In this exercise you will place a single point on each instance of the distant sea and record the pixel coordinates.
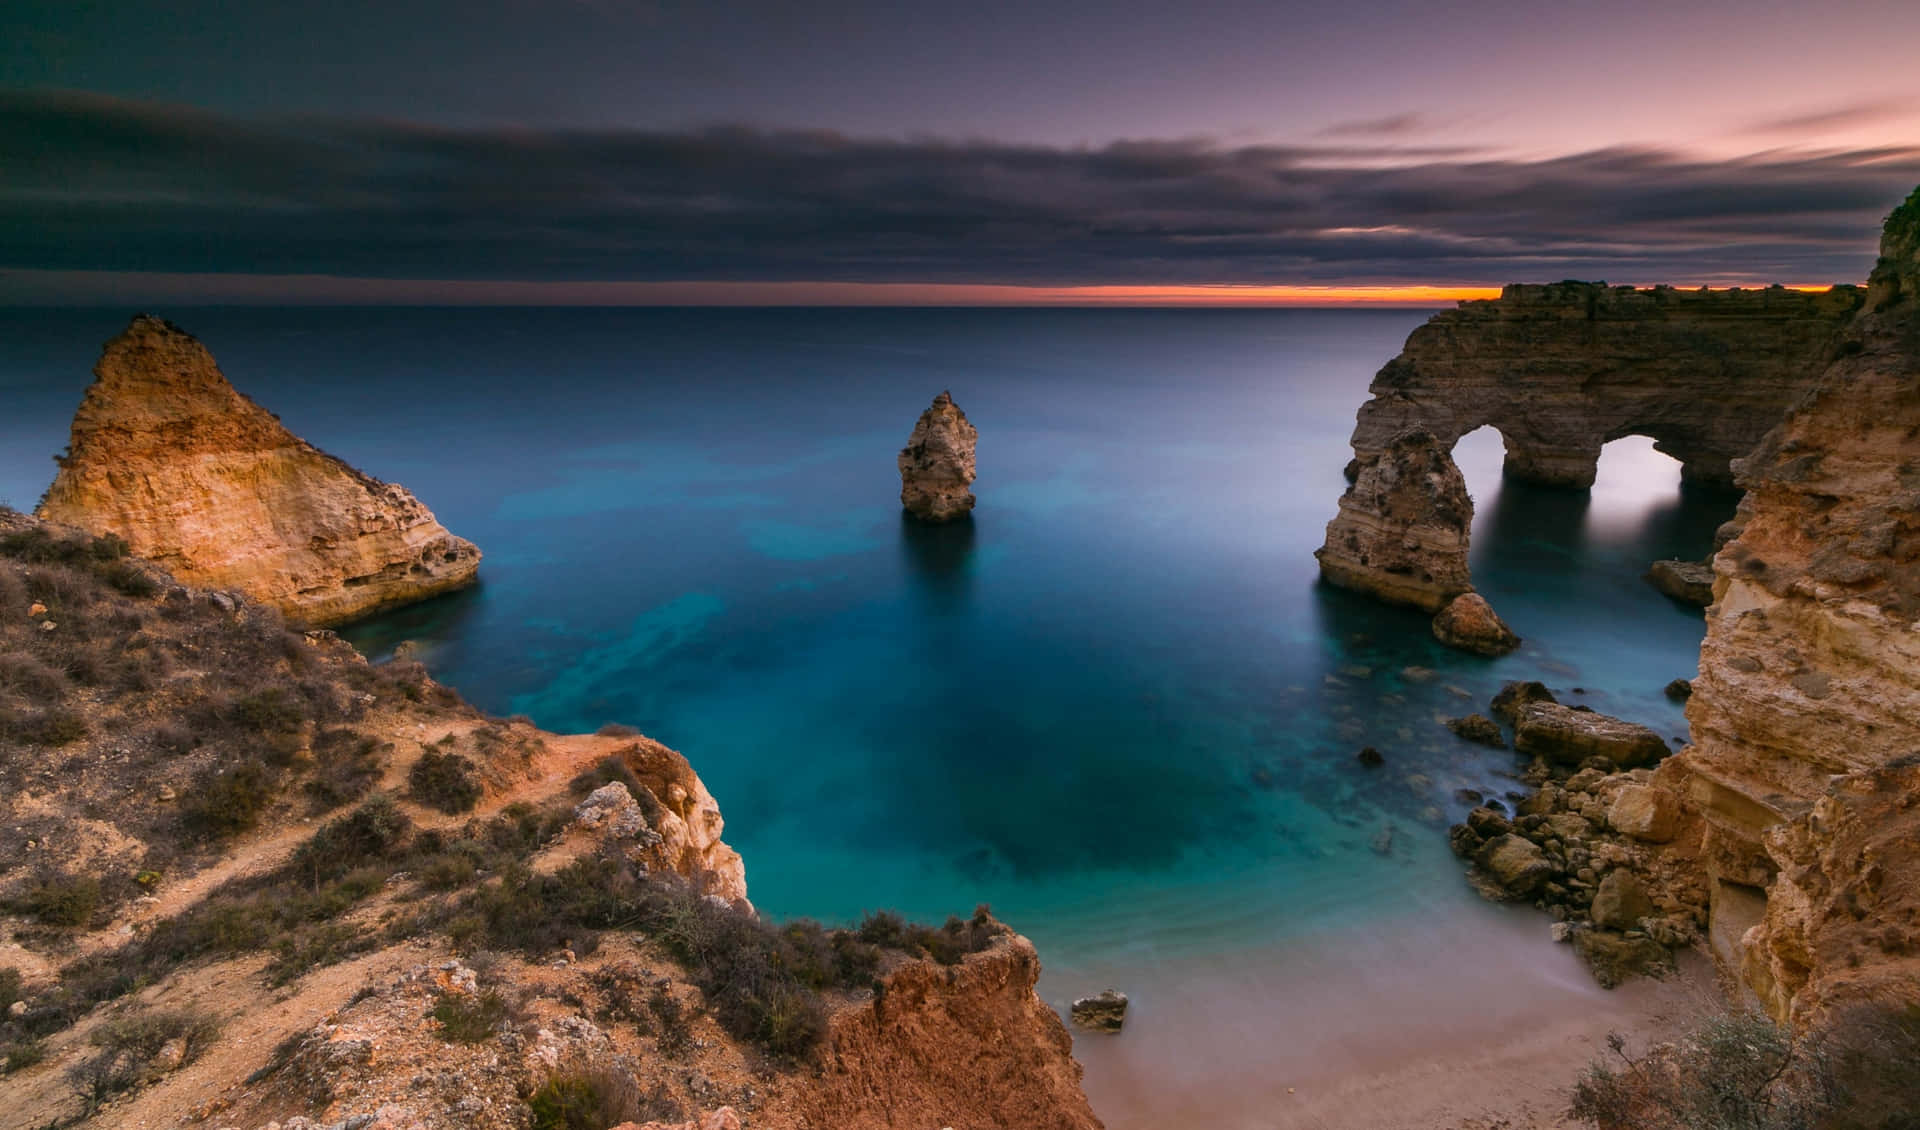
(1118, 706)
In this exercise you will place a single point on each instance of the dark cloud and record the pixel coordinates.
(92, 183)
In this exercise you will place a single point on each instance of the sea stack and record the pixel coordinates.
(936, 466)
(170, 457)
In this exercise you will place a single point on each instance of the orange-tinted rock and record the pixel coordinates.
(936, 466)
(1469, 623)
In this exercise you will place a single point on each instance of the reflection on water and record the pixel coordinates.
(939, 559)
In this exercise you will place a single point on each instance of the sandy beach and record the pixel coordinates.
(1466, 1021)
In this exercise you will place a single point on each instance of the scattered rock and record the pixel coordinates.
(1620, 902)
(1469, 623)
(1680, 690)
(1613, 957)
(1515, 864)
(1570, 736)
(1646, 813)
(1690, 582)
(1370, 757)
(1517, 696)
(936, 466)
(1106, 1012)
(1478, 728)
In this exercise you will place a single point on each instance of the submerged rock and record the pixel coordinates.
(1370, 757)
(165, 454)
(1469, 623)
(1106, 1012)
(936, 466)
(1570, 736)
(1511, 699)
(1480, 729)
(1690, 582)
(1515, 865)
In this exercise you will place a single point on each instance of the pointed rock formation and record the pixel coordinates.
(167, 455)
(936, 466)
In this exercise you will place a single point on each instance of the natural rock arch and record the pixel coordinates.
(1560, 371)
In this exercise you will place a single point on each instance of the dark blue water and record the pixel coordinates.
(1118, 706)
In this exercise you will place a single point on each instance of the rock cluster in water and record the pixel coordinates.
(936, 466)
(170, 457)
(1103, 1012)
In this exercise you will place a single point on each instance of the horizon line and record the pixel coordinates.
(33, 287)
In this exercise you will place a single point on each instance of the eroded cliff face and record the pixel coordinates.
(936, 466)
(167, 455)
(1401, 533)
(1561, 370)
(1809, 685)
(970, 1047)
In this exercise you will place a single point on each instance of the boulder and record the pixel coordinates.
(1646, 813)
(1569, 737)
(1620, 902)
(1613, 957)
(936, 466)
(1486, 822)
(1517, 696)
(1478, 728)
(1106, 1012)
(1469, 623)
(1370, 757)
(1679, 690)
(1689, 582)
(1515, 864)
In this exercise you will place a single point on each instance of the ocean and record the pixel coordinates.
(1117, 705)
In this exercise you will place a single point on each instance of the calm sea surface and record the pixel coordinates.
(1118, 707)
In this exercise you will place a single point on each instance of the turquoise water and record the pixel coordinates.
(1117, 706)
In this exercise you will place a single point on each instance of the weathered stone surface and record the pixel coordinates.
(1469, 623)
(1515, 864)
(936, 466)
(1401, 533)
(1570, 736)
(1105, 1012)
(1560, 370)
(1690, 582)
(1511, 699)
(1620, 902)
(1646, 813)
(1614, 957)
(1480, 729)
(167, 455)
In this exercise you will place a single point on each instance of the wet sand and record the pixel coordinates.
(1412, 1022)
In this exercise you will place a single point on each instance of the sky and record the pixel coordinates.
(913, 151)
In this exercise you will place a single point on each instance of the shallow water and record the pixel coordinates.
(1117, 706)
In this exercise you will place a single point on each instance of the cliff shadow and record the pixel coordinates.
(430, 624)
(939, 560)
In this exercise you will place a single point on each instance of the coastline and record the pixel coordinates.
(1490, 1023)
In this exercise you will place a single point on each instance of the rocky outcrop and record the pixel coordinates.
(1689, 582)
(1571, 736)
(1401, 533)
(672, 825)
(193, 475)
(1103, 1012)
(936, 466)
(1809, 684)
(1561, 370)
(970, 1046)
(1469, 623)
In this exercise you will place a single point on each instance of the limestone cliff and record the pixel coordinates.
(1401, 533)
(167, 455)
(1809, 680)
(936, 466)
(1561, 370)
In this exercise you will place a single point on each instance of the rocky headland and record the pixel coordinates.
(249, 880)
(166, 455)
(936, 466)
(1785, 834)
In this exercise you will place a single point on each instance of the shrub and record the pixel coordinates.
(10, 990)
(227, 802)
(21, 1055)
(617, 730)
(467, 1019)
(598, 1097)
(54, 727)
(347, 763)
(269, 711)
(128, 1047)
(23, 675)
(62, 900)
(374, 831)
(446, 781)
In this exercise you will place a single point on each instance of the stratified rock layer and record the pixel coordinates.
(1561, 370)
(167, 455)
(936, 466)
(1401, 533)
(1809, 684)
